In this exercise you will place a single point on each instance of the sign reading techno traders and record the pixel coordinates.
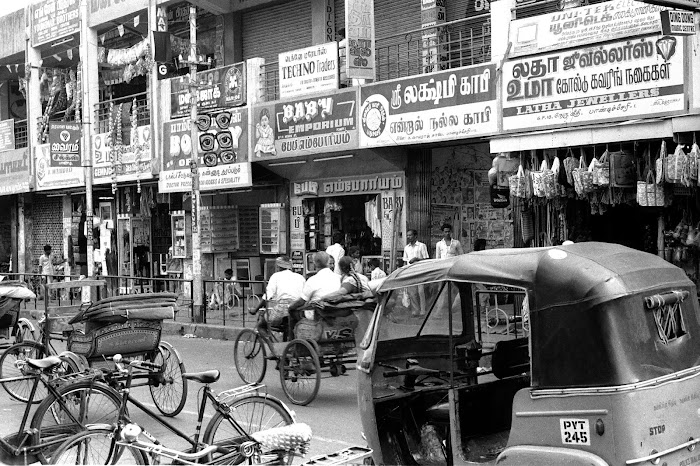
(326, 123)
(437, 107)
(223, 162)
(308, 70)
(629, 79)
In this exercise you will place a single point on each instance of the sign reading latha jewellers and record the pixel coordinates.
(436, 107)
(634, 78)
(583, 26)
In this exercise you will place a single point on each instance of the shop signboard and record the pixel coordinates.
(104, 11)
(437, 107)
(296, 225)
(223, 161)
(64, 142)
(359, 45)
(7, 135)
(680, 23)
(349, 185)
(619, 80)
(49, 176)
(218, 88)
(309, 70)
(14, 171)
(583, 26)
(129, 162)
(327, 123)
(54, 19)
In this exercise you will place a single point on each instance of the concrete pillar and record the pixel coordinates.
(233, 38)
(33, 96)
(154, 87)
(20, 262)
(322, 21)
(67, 225)
(255, 81)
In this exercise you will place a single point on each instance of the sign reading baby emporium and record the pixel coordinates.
(436, 107)
(309, 70)
(14, 171)
(129, 162)
(625, 79)
(222, 140)
(326, 123)
(584, 25)
(54, 177)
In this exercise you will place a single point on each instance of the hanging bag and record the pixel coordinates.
(693, 163)
(676, 164)
(543, 181)
(570, 163)
(518, 183)
(661, 164)
(623, 172)
(583, 179)
(650, 194)
(601, 170)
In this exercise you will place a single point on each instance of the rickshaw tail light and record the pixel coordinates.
(691, 447)
(599, 427)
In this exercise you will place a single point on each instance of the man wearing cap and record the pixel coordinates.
(283, 288)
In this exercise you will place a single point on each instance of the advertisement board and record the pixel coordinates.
(437, 107)
(217, 88)
(359, 46)
(309, 70)
(7, 135)
(133, 161)
(14, 171)
(49, 176)
(327, 123)
(64, 142)
(625, 79)
(54, 19)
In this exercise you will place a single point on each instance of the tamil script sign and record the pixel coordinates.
(217, 88)
(216, 169)
(327, 123)
(127, 163)
(7, 135)
(308, 70)
(64, 142)
(14, 171)
(437, 107)
(49, 176)
(359, 31)
(583, 26)
(627, 79)
(53, 19)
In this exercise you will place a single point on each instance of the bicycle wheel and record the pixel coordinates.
(169, 393)
(97, 446)
(24, 331)
(246, 416)
(300, 372)
(250, 356)
(9, 368)
(87, 401)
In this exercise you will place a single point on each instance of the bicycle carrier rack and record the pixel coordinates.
(228, 396)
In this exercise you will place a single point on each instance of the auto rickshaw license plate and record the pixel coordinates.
(575, 431)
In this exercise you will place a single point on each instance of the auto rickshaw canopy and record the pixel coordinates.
(590, 324)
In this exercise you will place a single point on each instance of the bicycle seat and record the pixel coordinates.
(203, 377)
(44, 363)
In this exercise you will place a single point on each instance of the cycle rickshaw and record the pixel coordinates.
(128, 324)
(14, 329)
(608, 375)
(322, 343)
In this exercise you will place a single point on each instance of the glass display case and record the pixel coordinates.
(180, 222)
(273, 229)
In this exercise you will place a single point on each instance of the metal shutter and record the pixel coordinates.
(47, 225)
(274, 29)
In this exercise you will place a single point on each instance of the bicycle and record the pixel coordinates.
(72, 408)
(246, 426)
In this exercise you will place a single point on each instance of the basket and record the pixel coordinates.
(134, 336)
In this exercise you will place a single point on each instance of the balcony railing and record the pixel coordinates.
(43, 124)
(143, 117)
(21, 135)
(450, 45)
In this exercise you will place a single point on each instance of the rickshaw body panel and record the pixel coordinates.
(604, 386)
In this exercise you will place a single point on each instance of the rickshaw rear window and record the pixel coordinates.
(422, 310)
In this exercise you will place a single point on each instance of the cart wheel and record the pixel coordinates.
(250, 356)
(170, 392)
(11, 366)
(300, 372)
(25, 331)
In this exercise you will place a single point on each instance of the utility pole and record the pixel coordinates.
(86, 133)
(197, 291)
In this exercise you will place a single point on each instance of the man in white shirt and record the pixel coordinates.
(317, 287)
(447, 246)
(336, 250)
(414, 249)
(283, 288)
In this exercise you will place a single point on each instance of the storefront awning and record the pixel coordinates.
(586, 135)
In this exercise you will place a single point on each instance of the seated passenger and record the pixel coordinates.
(283, 288)
(350, 281)
(323, 283)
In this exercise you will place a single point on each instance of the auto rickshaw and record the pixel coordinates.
(609, 373)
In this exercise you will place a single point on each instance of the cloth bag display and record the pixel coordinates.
(661, 163)
(676, 165)
(601, 170)
(583, 179)
(570, 162)
(557, 170)
(693, 164)
(518, 183)
(650, 194)
(623, 171)
(543, 183)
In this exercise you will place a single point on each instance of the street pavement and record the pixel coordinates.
(333, 415)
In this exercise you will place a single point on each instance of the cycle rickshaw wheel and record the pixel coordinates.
(24, 331)
(169, 387)
(252, 414)
(300, 372)
(250, 356)
(20, 389)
